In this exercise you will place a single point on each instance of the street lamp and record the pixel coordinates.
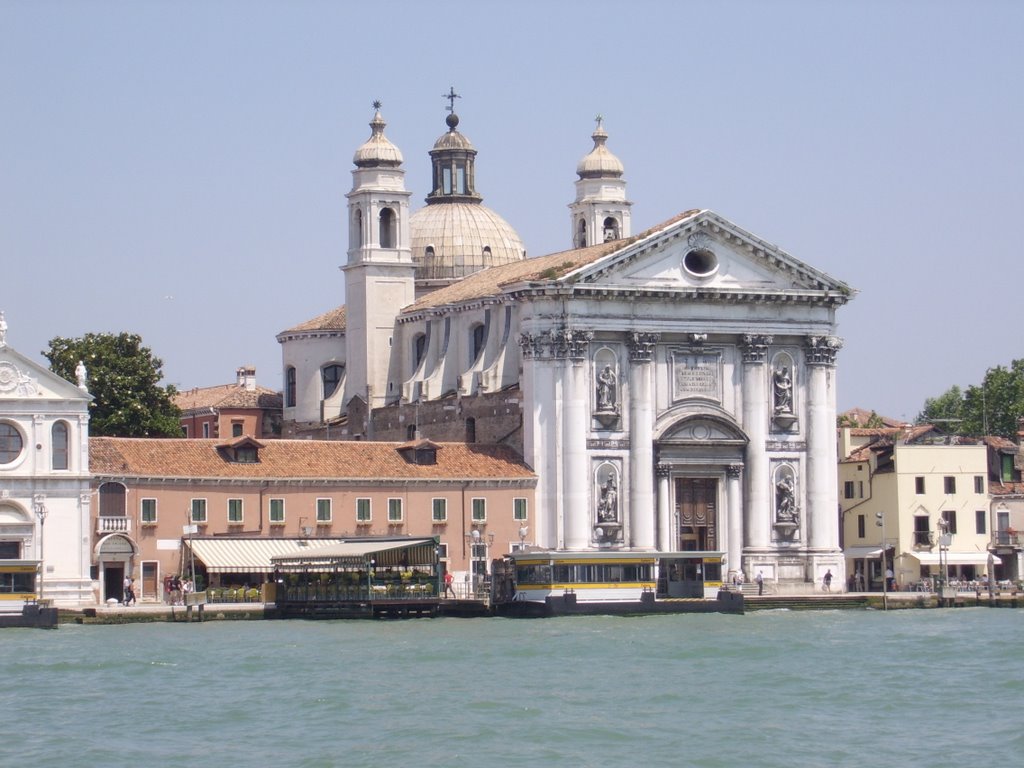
(522, 537)
(944, 539)
(880, 522)
(39, 505)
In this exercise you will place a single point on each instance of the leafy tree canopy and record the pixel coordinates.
(123, 378)
(992, 408)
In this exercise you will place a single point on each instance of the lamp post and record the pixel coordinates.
(39, 505)
(522, 537)
(880, 522)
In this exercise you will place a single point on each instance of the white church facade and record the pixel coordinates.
(44, 483)
(674, 390)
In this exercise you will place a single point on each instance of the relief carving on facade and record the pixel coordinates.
(755, 347)
(14, 382)
(560, 344)
(821, 350)
(641, 346)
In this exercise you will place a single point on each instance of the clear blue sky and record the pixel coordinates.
(202, 151)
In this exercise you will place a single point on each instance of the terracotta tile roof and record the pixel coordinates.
(228, 396)
(875, 431)
(332, 320)
(1006, 489)
(862, 416)
(298, 459)
(489, 282)
(864, 453)
(1000, 443)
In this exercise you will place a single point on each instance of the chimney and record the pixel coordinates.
(246, 377)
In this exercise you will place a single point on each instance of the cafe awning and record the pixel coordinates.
(248, 555)
(955, 558)
(863, 552)
(355, 553)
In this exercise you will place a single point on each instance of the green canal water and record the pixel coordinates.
(772, 688)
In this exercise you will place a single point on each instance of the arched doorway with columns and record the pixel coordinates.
(700, 457)
(114, 556)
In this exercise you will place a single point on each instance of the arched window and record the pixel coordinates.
(470, 430)
(428, 254)
(611, 229)
(581, 234)
(487, 255)
(289, 387)
(59, 445)
(387, 228)
(419, 349)
(331, 376)
(357, 228)
(477, 343)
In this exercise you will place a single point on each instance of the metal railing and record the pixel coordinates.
(1006, 538)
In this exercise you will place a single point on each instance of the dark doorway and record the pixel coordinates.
(113, 581)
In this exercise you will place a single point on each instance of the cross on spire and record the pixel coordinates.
(451, 96)
(377, 104)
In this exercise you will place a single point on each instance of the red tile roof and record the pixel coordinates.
(228, 396)
(299, 459)
(332, 320)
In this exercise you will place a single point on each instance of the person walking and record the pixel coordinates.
(448, 588)
(129, 590)
(826, 581)
(760, 583)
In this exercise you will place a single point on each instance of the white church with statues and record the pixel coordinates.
(673, 389)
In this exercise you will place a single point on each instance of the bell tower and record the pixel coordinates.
(379, 275)
(600, 212)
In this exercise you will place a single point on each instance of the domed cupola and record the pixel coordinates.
(456, 235)
(599, 162)
(600, 212)
(377, 151)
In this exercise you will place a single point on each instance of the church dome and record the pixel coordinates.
(456, 239)
(599, 162)
(378, 150)
(456, 235)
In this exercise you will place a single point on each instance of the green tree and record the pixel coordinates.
(993, 408)
(124, 381)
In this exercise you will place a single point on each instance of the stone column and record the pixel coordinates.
(821, 518)
(570, 351)
(641, 440)
(755, 422)
(542, 440)
(734, 517)
(666, 540)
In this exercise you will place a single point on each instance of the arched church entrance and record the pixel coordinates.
(700, 501)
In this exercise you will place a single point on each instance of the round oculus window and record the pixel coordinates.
(700, 262)
(11, 443)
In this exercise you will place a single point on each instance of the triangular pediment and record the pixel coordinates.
(24, 379)
(704, 251)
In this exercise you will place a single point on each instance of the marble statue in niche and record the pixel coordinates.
(607, 390)
(608, 502)
(782, 389)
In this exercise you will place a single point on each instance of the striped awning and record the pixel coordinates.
(249, 555)
(955, 558)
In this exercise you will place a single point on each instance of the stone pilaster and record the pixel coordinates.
(666, 540)
(754, 349)
(641, 440)
(734, 517)
(820, 480)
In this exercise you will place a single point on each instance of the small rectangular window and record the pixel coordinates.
(979, 521)
(860, 489)
(439, 510)
(198, 510)
(362, 510)
(234, 511)
(919, 485)
(442, 551)
(519, 509)
(323, 510)
(949, 484)
(479, 510)
(394, 510)
(236, 429)
(148, 512)
(848, 489)
(277, 511)
(979, 483)
(922, 534)
(206, 429)
(860, 526)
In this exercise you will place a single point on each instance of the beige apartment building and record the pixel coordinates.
(902, 491)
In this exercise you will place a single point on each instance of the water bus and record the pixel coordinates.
(546, 583)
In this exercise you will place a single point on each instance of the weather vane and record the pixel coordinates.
(377, 104)
(451, 96)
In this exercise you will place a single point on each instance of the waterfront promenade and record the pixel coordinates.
(157, 612)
